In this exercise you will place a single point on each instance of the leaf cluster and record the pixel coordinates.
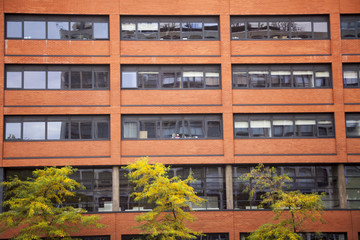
(36, 205)
(171, 197)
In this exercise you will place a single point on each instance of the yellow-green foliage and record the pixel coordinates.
(35, 205)
(171, 197)
(292, 209)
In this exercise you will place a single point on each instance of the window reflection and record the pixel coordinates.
(58, 30)
(34, 30)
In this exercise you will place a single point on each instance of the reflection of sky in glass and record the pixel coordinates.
(13, 29)
(55, 29)
(34, 79)
(34, 130)
(13, 131)
(320, 27)
(54, 130)
(301, 26)
(54, 79)
(100, 30)
(192, 26)
(34, 30)
(128, 80)
(13, 79)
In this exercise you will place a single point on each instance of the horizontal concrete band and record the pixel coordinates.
(200, 155)
(285, 104)
(288, 154)
(175, 105)
(57, 106)
(62, 157)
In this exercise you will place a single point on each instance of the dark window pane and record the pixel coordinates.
(257, 30)
(169, 30)
(58, 30)
(101, 79)
(149, 79)
(168, 129)
(128, 31)
(171, 79)
(34, 30)
(283, 128)
(103, 130)
(322, 79)
(86, 79)
(81, 30)
(305, 128)
(238, 30)
(301, 30)
(196, 129)
(148, 129)
(353, 128)
(86, 130)
(75, 79)
(192, 30)
(258, 79)
(260, 128)
(213, 129)
(75, 133)
(304, 79)
(280, 79)
(348, 29)
(13, 29)
(240, 79)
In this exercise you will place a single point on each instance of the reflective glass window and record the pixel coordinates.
(13, 29)
(34, 130)
(34, 79)
(12, 131)
(101, 30)
(81, 30)
(301, 30)
(147, 30)
(169, 30)
(58, 30)
(34, 30)
(13, 79)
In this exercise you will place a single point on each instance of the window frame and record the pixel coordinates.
(355, 18)
(68, 69)
(177, 118)
(68, 119)
(283, 116)
(280, 18)
(281, 67)
(351, 67)
(57, 18)
(169, 19)
(163, 69)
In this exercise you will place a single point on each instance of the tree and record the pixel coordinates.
(36, 205)
(171, 197)
(292, 209)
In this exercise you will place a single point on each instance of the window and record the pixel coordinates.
(97, 195)
(209, 184)
(281, 76)
(171, 127)
(53, 77)
(207, 236)
(57, 27)
(351, 75)
(279, 27)
(352, 178)
(311, 236)
(169, 28)
(350, 26)
(170, 77)
(306, 178)
(283, 125)
(352, 125)
(48, 128)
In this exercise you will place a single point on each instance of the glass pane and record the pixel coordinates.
(169, 31)
(241, 129)
(102, 130)
(101, 79)
(281, 79)
(75, 131)
(147, 30)
(212, 79)
(193, 79)
(321, 30)
(258, 79)
(75, 79)
(148, 129)
(260, 128)
(86, 130)
(240, 79)
(211, 30)
(81, 30)
(196, 129)
(128, 30)
(353, 128)
(34, 80)
(168, 129)
(57, 130)
(257, 30)
(171, 79)
(34, 130)
(86, 79)
(58, 30)
(13, 131)
(350, 79)
(301, 30)
(322, 79)
(304, 79)
(149, 79)
(55, 78)
(101, 30)
(213, 129)
(129, 80)
(279, 30)
(348, 29)
(13, 79)
(305, 128)
(192, 30)
(13, 29)
(283, 128)
(34, 30)
(238, 30)
(130, 130)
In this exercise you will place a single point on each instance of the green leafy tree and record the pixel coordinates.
(292, 209)
(171, 197)
(35, 206)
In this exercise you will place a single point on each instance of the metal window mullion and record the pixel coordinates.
(203, 29)
(312, 29)
(46, 121)
(267, 29)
